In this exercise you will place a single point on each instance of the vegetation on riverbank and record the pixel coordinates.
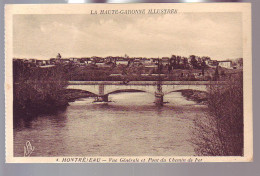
(220, 132)
(195, 95)
(38, 91)
(72, 95)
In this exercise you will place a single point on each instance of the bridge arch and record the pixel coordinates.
(88, 88)
(126, 91)
(113, 88)
(81, 90)
(175, 88)
(109, 89)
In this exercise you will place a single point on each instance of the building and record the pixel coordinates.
(122, 62)
(165, 61)
(65, 61)
(39, 62)
(32, 60)
(212, 63)
(225, 64)
(103, 65)
(146, 61)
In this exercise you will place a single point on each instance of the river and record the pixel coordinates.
(130, 125)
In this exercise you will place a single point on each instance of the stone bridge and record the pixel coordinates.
(103, 88)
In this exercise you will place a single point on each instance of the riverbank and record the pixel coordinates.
(50, 105)
(71, 95)
(195, 95)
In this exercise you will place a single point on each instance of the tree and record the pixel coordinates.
(194, 61)
(203, 65)
(185, 62)
(216, 75)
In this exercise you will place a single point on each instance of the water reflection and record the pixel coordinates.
(130, 125)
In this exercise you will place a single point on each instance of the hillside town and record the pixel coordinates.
(125, 68)
(173, 62)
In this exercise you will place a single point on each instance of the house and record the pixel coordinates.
(122, 62)
(151, 66)
(102, 65)
(154, 60)
(110, 59)
(32, 60)
(65, 61)
(225, 64)
(52, 61)
(39, 62)
(206, 59)
(213, 63)
(146, 62)
(73, 60)
(165, 61)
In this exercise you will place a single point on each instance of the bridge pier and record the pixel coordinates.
(159, 98)
(159, 94)
(102, 98)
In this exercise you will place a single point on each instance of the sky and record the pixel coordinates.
(217, 35)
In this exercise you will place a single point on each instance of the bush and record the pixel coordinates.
(220, 132)
(37, 90)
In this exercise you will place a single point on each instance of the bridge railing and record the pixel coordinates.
(147, 83)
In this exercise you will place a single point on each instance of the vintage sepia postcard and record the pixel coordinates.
(128, 83)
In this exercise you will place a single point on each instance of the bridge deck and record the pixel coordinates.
(147, 83)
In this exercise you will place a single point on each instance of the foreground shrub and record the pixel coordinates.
(37, 90)
(220, 132)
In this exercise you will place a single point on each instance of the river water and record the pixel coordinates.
(131, 125)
